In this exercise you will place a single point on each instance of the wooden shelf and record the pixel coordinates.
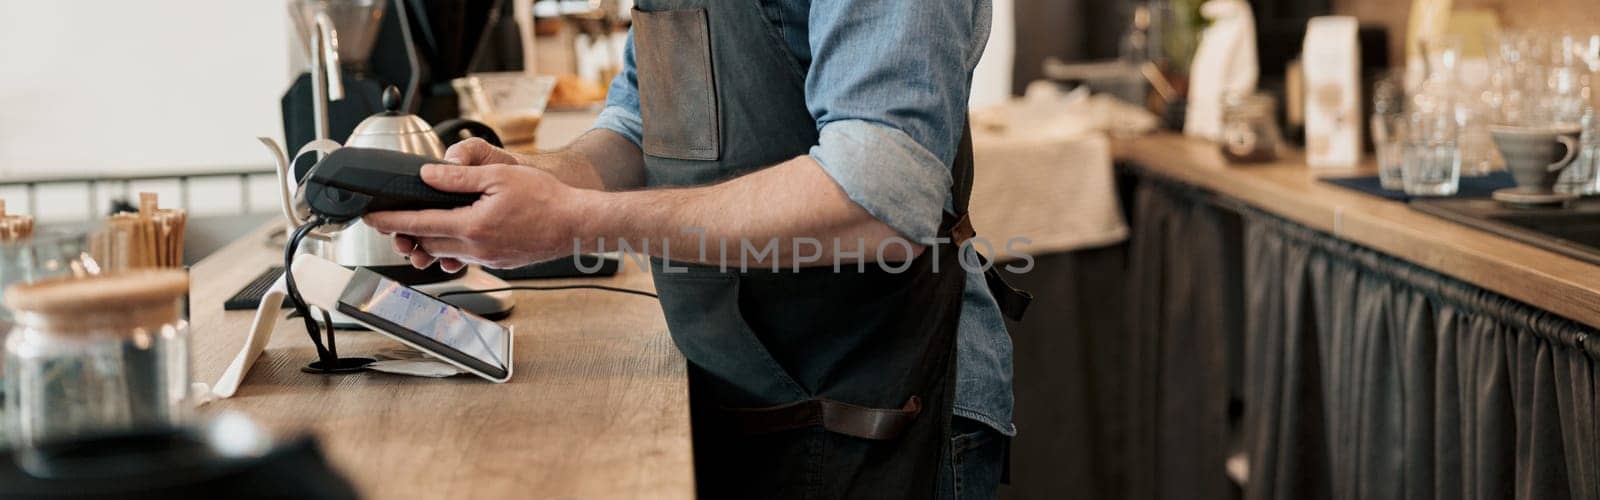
(1287, 188)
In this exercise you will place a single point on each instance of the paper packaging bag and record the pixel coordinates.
(1224, 64)
(1333, 92)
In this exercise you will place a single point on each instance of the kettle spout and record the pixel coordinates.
(285, 198)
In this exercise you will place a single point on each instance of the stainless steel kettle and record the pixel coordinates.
(356, 244)
(397, 131)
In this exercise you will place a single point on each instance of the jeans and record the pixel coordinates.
(977, 460)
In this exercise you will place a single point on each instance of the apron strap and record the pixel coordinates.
(1013, 302)
(961, 172)
(841, 418)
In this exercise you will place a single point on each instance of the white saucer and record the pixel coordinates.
(1528, 197)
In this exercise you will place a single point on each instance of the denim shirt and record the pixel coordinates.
(887, 84)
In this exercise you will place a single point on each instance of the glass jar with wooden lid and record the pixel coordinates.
(96, 355)
(1250, 131)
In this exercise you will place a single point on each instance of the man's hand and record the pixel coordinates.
(473, 151)
(525, 215)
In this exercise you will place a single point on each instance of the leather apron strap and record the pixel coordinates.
(843, 418)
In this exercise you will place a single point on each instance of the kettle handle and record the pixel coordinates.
(285, 177)
(449, 132)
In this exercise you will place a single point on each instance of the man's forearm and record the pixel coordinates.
(600, 160)
(793, 208)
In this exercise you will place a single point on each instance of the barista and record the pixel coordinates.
(799, 170)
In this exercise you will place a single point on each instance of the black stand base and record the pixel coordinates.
(339, 366)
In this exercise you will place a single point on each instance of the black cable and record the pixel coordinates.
(554, 287)
(327, 325)
(289, 251)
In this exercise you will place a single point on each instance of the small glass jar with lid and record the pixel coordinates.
(33, 257)
(1250, 131)
(96, 355)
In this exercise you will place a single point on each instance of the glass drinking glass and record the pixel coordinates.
(1437, 91)
(1445, 88)
(1579, 177)
(1573, 85)
(1431, 165)
(1389, 139)
(1388, 127)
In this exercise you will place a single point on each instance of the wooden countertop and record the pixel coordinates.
(1287, 188)
(598, 406)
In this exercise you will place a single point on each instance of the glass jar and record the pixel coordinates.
(44, 255)
(1250, 128)
(95, 355)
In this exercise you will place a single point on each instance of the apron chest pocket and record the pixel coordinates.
(677, 90)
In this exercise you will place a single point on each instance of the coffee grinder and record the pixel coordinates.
(417, 46)
(352, 27)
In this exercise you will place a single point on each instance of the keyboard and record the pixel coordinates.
(250, 297)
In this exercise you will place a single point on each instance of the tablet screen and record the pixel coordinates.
(426, 320)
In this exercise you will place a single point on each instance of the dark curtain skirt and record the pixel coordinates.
(1323, 369)
(1182, 323)
(1368, 377)
(1069, 364)
(1127, 383)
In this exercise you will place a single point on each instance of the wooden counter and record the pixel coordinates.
(1287, 188)
(597, 408)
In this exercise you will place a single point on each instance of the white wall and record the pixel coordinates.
(991, 81)
(121, 87)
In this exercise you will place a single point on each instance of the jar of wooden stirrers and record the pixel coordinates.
(149, 238)
(14, 227)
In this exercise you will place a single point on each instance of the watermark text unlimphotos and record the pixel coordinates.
(975, 255)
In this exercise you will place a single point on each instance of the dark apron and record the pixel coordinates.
(803, 384)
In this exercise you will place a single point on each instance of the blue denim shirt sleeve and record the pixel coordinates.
(621, 114)
(888, 87)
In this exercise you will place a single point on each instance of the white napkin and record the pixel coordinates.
(1046, 112)
(1045, 171)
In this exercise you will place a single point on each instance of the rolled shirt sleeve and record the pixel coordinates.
(888, 173)
(888, 85)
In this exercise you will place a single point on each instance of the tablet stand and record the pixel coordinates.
(261, 328)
